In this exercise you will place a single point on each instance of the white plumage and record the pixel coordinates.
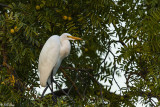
(53, 52)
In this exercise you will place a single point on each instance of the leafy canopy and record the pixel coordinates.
(25, 25)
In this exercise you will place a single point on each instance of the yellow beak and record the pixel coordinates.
(75, 38)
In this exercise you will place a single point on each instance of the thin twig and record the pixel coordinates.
(152, 102)
(104, 58)
(75, 87)
(77, 69)
(100, 87)
(4, 5)
(74, 82)
(114, 72)
(63, 91)
(106, 54)
(87, 70)
(85, 91)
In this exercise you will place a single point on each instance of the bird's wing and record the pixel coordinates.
(48, 58)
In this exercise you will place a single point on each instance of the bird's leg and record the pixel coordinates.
(72, 84)
(51, 79)
(54, 98)
(52, 85)
(63, 91)
(44, 91)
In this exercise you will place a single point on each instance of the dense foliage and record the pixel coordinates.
(25, 25)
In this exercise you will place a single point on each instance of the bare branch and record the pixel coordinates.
(4, 5)
(114, 71)
(75, 87)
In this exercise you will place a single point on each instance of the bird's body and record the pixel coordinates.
(53, 52)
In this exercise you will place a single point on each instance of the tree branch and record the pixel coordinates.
(124, 45)
(75, 87)
(114, 71)
(76, 69)
(4, 5)
(10, 69)
(106, 94)
(87, 70)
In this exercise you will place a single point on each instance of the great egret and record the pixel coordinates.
(53, 52)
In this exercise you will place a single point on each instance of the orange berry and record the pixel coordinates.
(38, 7)
(65, 17)
(86, 49)
(69, 18)
(12, 31)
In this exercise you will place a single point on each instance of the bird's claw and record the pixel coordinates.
(54, 98)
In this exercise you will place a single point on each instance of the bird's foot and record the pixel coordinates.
(54, 98)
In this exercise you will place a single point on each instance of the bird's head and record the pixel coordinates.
(68, 36)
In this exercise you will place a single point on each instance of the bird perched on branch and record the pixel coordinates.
(53, 52)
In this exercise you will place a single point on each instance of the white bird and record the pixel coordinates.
(53, 52)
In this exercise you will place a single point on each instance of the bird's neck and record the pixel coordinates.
(65, 48)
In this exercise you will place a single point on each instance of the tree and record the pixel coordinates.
(25, 25)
